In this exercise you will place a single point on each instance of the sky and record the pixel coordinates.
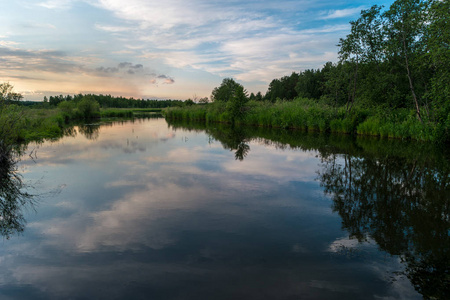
(165, 49)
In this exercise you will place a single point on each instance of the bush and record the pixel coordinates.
(88, 108)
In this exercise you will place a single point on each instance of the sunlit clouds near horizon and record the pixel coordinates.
(165, 49)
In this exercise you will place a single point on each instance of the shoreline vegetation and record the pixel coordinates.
(305, 114)
(23, 122)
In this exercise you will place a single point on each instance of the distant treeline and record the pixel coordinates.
(106, 101)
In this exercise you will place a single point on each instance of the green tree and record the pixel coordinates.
(11, 115)
(189, 102)
(236, 104)
(283, 88)
(67, 108)
(351, 52)
(405, 24)
(310, 84)
(7, 94)
(225, 91)
(203, 100)
(88, 108)
(437, 40)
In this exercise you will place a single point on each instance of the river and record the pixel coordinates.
(144, 209)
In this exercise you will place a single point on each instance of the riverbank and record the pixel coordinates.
(309, 115)
(25, 124)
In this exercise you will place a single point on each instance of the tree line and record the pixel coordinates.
(107, 101)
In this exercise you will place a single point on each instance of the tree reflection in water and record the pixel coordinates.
(90, 131)
(13, 198)
(394, 192)
(403, 204)
(233, 139)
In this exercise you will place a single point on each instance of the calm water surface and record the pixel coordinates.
(147, 210)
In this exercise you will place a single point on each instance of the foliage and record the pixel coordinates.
(225, 91)
(7, 95)
(283, 88)
(236, 104)
(108, 101)
(88, 108)
(11, 115)
(307, 114)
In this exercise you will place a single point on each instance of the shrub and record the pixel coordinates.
(88, 108)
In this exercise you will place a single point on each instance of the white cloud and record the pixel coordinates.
(342, 13)
(112, 28)
(252, 41)
(8, 43)
(225, 39)
(56, 4)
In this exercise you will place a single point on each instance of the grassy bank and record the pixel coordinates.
(309, 115)
(23, 124)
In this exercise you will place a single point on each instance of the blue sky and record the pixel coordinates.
(165, 49)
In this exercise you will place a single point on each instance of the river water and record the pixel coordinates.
(144, 209)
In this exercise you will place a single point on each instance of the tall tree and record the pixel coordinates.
(225, 91)
(405, 25)
(236, 104)
(350, 51)
(437, 40)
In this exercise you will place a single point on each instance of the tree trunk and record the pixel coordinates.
(411, 86)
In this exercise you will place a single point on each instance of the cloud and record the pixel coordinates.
(35, 25)
(342, 13)
(56, 4)
(122, 68)
(15, 59)
(113, 29)
(251, 41)
(248, 41)
(161, 79)
(107, 69)
(59, 72)
(166, 79)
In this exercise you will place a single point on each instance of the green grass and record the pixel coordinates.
(309, 115)
(37, 124)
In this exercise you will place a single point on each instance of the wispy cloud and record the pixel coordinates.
(227, 39)
(342, 13)
(110, 28)
(253, 41)
(36, 25)
(162, 79)
(57, 4)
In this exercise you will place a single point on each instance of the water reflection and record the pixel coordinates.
(90, 131)
(234, 139)
(392, 192)
(13, 197)
(167, 212)
(401, 203)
